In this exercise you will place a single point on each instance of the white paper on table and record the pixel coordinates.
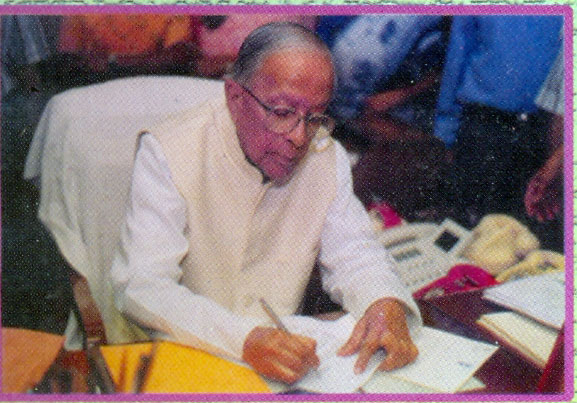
(446, 361)
(335, 374)
(381, 382)
(540, 297)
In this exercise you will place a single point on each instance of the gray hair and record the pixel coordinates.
(270, 38)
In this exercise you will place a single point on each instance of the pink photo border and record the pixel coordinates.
(564, 10)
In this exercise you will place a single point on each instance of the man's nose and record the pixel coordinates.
(298, 135)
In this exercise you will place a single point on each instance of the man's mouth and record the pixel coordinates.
(287, 163)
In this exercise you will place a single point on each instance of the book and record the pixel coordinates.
(531, 339)
(541, 297)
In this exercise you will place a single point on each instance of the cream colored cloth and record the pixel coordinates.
(147, 275)
(82, 152)
(247, 240)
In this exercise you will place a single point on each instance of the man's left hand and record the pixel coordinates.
(383, 325)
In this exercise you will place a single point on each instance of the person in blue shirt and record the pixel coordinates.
(388, 68)
(370, 51)
(486, 115)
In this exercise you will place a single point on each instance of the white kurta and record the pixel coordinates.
(146, 279)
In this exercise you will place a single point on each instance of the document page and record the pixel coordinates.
(446, 361)
(540, 297)
(445, 364)
(335, 374)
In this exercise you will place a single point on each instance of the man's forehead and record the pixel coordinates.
(291, 57)
(303, 68)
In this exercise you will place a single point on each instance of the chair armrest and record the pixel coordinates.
(90, 318)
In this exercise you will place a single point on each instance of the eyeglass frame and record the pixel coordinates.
(271, 110)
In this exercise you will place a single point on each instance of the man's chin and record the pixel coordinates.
(281, 179)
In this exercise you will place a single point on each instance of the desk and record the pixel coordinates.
(505, 371)
(26, 355)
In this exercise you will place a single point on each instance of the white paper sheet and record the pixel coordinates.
(539, 297)
(530, 337)
(446, 361)
(335, 374)
(383, 383)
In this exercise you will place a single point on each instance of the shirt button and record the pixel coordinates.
(247, 301)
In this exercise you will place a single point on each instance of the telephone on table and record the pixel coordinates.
(425, 252)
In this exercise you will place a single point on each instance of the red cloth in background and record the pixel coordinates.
(102, 37)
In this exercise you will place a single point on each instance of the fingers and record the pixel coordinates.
(370, 345)
(354, 342)
(279, 355)
(399, 353)
(306, 349)
(383, 326)
(397, 344)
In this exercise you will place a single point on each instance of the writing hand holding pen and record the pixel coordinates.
(279, 354)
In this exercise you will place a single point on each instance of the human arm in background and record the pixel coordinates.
(384, 101)
(544, 195)
(369, 50)
(357, 273)
(146, 280)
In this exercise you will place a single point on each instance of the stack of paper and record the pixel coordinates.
(539, 297)
(530, 338)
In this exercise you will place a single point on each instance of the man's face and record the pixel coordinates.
(294, 78)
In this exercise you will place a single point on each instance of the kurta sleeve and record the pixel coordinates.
(356, 268)
(146, 272)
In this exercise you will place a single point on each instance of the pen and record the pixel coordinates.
(274, 317)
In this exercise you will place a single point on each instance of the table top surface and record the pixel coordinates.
(504, 373)
(26, 356)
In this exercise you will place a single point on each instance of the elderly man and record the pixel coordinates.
(233, 202)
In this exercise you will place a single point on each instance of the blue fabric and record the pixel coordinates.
(495, 61)
(329, 27)
(369, 49)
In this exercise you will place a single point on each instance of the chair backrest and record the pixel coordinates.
(83, 151)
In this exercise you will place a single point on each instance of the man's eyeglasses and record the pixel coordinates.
(284, 119)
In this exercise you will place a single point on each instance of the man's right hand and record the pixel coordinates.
(279, 355)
